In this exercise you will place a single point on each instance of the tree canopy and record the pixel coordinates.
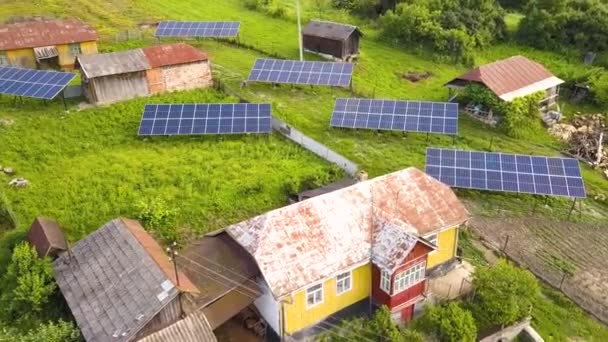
(449, 322)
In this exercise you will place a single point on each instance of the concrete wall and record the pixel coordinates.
(187, 76)
(511, 332)
(314, 146)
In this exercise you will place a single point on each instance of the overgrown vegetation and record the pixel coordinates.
(449, 322)
(62, 331)
(449, 28)
(563, 24)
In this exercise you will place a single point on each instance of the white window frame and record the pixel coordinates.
(347, 277)
(385, 281)
(434, 240)
(410, 277)
(313, 291)
(73, 46)
(4, 59)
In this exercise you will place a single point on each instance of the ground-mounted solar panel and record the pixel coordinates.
(205, 118)
(41, 84)
(506, 172)
(191, 29)
(407, 116)
(301, 72)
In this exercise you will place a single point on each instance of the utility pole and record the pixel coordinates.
(299, 30)
(172, 256)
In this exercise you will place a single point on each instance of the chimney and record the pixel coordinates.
(361, 176)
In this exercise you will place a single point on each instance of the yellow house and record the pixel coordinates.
(342, 252)
(46, 43)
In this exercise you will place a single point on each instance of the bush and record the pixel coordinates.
(61, 331)
(26, 285)
(521, 116)
(504, 294)
(157, 218)
(450, 28)
(8, 220)
(599, 88)
(555, 24)
(449, 323)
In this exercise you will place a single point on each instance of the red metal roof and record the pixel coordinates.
(44, 33)
(507, 75)
(180, 53)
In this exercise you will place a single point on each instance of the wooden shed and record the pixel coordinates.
(117, 76)
(46, 236)
(331, 39)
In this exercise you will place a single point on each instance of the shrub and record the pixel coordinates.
(61, 331)
(520, 116)
(159, 219)
(599, 88)
(504, 294)
(449, 323)
(27, 284)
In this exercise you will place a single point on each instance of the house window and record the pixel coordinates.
(385, 281)
(75, 49)
(4, 59)
(314, 295)
(344, 282)
(409, 277)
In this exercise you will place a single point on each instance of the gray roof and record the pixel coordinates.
(194, 328)
(113, 63)
(329, 30)
(111, 284)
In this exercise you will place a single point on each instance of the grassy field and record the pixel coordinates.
(108, 164)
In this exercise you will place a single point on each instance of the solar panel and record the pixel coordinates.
(197, 119)
(411, 116)
(197, 29)
(39, 84)
(506, 172)
(301, 72)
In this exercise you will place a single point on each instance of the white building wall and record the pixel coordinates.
(268, 306)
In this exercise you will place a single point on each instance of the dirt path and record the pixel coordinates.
(572, 255)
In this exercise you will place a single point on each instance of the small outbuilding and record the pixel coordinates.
(331, 39)
(116, 76)
(511, 78)
(46, 237)
(46, 43)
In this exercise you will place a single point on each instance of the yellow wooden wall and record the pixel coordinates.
(447, 240)
(298, 317)
(26, 57)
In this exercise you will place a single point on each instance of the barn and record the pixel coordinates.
(46, 43)
(331, 39)
(116, 76)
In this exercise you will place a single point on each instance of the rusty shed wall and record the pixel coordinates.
(186, 76)
(156, 83)
(113, 88)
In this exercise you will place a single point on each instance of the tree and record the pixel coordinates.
(449, 323)
(504, 294)
(521, 115)
(61, 331)
(27, 283)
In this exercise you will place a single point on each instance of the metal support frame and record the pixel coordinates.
(571, 208)
(491, 142)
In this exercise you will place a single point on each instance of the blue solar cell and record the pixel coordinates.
(301, 72)
(205, 119)
(197, 29)
(508, 172)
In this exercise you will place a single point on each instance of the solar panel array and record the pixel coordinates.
(412, 116)
(39, 84)
(301, 72)
(506, 172)
(197, 29)
(197, 119)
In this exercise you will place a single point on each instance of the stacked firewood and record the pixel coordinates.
(590, 140)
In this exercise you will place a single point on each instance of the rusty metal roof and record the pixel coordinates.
(512, 77)
(311, 240)
(122, 62)
(172, 54)
(392, 244)
(38, 33)
(193, 328)
(329, 30)
(113, 63)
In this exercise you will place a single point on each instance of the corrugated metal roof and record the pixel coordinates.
(392, 244)
(44, 33)
(111, 283)
(510, 75)
(172, 54)
(193, 328)
(308, 241)
(326, 189)
(113, 63)
(329, 30)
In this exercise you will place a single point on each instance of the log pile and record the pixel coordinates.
(587, 137)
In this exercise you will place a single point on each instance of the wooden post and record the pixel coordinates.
(571, 208)
(491, 142)
(562, 281)
(504, 247)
